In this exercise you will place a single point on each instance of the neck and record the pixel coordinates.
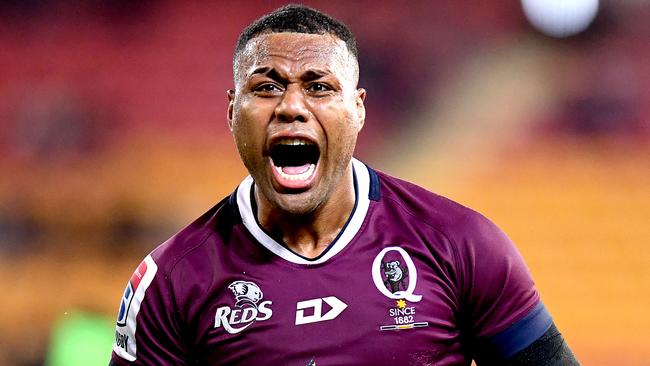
(309, 235)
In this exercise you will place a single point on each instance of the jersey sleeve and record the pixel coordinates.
(147, 330)
(500, 306)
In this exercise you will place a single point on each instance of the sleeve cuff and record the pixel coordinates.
(523, 333)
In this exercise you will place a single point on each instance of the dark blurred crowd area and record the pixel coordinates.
(79, 79)
(106, 105)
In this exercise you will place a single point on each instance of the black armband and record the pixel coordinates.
(549, 350)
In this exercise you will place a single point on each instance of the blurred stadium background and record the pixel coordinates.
(113, 136)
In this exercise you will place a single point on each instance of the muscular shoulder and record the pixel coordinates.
(475, 243)
(492, 283)
(455, 221)
(195, 244)
(155, 301)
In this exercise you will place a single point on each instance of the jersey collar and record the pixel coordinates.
(362, 185)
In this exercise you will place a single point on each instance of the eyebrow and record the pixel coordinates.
(268, 71)
(311, 75)
(272, 73)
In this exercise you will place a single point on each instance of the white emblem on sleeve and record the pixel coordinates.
(125, 345)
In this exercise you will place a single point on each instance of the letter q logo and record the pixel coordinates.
(411, 277)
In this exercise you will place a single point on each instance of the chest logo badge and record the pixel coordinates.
(247, 310)
(315, 307)
(395, 275)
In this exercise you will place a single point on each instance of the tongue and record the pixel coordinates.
(293, 170)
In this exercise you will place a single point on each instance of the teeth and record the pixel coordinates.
(288, 141)
(301, 176)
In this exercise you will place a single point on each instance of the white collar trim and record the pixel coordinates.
(345, 237)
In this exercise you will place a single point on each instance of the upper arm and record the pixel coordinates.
(501, 311)
(549, 350)
(525, 334)
(147, 330)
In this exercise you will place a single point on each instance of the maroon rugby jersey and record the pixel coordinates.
(412, 279)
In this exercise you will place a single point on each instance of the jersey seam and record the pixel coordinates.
(172, 267)
(201, 242)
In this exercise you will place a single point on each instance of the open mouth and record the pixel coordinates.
(294, 161)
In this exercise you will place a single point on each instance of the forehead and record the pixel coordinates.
(295, 52)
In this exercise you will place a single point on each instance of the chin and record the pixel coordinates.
(296, 204)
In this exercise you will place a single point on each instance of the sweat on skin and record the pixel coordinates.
(298, 88)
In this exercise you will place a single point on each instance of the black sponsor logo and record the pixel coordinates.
(122, 340)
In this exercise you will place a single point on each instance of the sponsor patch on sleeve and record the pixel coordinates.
(134, 293)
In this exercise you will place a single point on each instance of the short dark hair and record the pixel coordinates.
(298, 19)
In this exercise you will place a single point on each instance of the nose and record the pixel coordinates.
(292, 106)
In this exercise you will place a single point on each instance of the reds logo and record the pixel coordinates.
(245, 293)
(247, 310)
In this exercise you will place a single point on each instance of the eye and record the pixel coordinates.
(267, 89)
(318, 88)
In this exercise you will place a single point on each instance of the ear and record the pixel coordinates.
(361, 108)
(231, 100)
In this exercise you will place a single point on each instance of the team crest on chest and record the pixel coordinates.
(247, 310)
(395, 276)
